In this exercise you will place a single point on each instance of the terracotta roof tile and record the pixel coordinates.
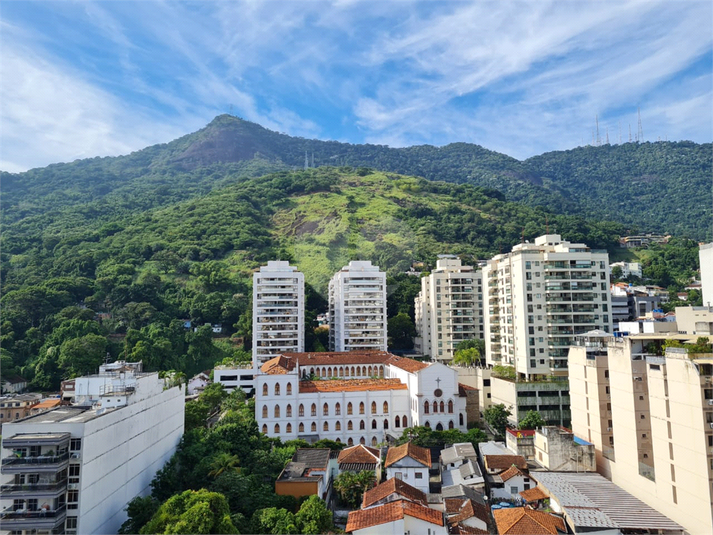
(351, 385)
(524, 521)
(470, 509)
(410, 365)
(454, 505)
(47, 403)
(359, 454)
(463, 529)
(327, 358)
(503, 462)
(422, 455)
(463, 389)
(279, 365)
(394, 486)
(390, 512)
(533, 494)
(510, 473)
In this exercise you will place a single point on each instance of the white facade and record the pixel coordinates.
(705, 253)
(628, 269)
(232, 377)
(449, 308)
(356, 397)
(410, 471)
(357, 308)
(83, 464)
(539, 297)
(278, 311)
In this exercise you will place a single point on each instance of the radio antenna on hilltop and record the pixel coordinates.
(607, 135)
(306, 161)
(640, 134)
(596, 119)
(619, 132)
(312, 158)
(629, 132)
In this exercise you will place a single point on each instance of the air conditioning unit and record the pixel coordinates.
(710, 402)
(711, 425)
(609, 429)
(72, 486)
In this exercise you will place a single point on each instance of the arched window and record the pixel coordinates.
(301, 428)
(381, 371)
(425, 407)
(314, 409)
(264, 411)
(319, 372)
(386, 407)
(341, 371)
(353, 372)
(346, 371)
(362, 441)
(311, 371)
(373, 441)
(404, 421)
(264, 429)
(361, 407)
(358, 371)
(313, 427)
(277, 429)
(277, 411)
(338, 409)
(443, 407)
(362, 425)
(264, 389)
(325, 410)
(339, 440)
(277, 389)
(289, 389)
(428, 424)
(325, 426)
(349, 408)
(373, 407)
(329, 372)
(288, 429)
(288, 411)
(338, 426)
(439, 427)
(350, 426)
(460, 418)
(301, 411)
(373, 424)
(435, 407)
(350, 442)
(450, 406)
(363, 371)
(397, 422)
(370, 373)
(386, 424)
(450, 424)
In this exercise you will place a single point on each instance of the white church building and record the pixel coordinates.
(355, 397)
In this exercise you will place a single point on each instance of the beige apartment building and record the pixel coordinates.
(650, 419)
(539, 297)
(449, 308)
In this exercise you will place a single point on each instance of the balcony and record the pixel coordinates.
(39, 463)
(22, 519)
(49, 489)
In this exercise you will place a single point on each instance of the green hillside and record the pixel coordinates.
(194, 260)
(653, 187)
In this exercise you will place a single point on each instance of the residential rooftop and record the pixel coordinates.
(351, 385)
(391, 512)
(395, 454)
(394, 486)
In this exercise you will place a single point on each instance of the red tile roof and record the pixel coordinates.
(524, 521)
(47, 403)
(410, 365)
(422, 455)
(359, 454)
(330, 358)
(469, 509)
(279, 365)
(463, 529)
(391, 512)
(532, 495)
(351, 385)
(503, 462)
(394, 486)
(510, 473)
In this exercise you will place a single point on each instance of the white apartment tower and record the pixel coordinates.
(357, 308)
(74, 469)
(539, 297)
(278, 311)
(650, 418)
(449, 308)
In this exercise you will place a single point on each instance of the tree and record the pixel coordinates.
(274, 521)
(504, 372)
(616, 273)
(497, 417)
(351, 486)
(466, 357)
(401, 331)
(313, 517)
(224, 462)
(140, 511)
(81, 356)
(532, 420)
(192, 511)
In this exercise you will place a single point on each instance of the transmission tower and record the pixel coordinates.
(596, 119)
(629, 132)
(607, 135)
(306, 161)
(640, 134)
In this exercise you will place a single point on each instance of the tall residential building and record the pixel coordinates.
(278, 311)
(74, 469)
(449, 308)
(650, 418)
(705, 254)
(357, 308)
(539, 297)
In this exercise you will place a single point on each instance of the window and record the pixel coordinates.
(373, 407)
(288, 429)
(386, 424)
(277, 389)
(264, 429)
(75, 444)
(450, 424)
(289, 389)
(74, 473)
(513, 489)
(373, 424)
(325, 426)
(350, 442)
(325, 410)
(419, 475)
(313, 427)
(460, 417)
(338, 409)
(397, 424)
(404, 421)
(386, 408)
(264, 389)
(301, 428)
(277, 411)
(338, 426)
(70, 523)
(349, 408)
(314, 409)
(361, 407)
(264, 411)
(301, 411)
(425, 407)
(362, 425)
(350, 426)
(288, 411)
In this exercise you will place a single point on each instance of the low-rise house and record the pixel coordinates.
(534, 497)
(393, 490)
(590, 503)
(197, 383)
(466, 512)
(521, 520)
(508, 484)
(306, 474)
(359, 458)
(496, 464)
(467, 473)
(17, 406)
(559, 450)
(410, 463)
(521, 442)
(45, 405)
(235, 376)
(401, 516)
(457, 455)
(13, 384)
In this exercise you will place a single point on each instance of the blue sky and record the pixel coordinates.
(85, 79)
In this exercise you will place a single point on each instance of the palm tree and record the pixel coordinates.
(224, 462)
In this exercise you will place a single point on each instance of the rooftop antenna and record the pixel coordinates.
(306, 161)
(640, 134)
(596, 119)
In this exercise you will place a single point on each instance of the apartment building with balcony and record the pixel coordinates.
(539, 297)
(357, 308)
(449, 308)
(75, 468)
(278, 311)
(650, 418)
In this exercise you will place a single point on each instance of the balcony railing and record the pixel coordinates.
(39, 514)
(39, 460)
(32, 487)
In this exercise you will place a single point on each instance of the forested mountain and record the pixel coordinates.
(194, 259)
(649, 187)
